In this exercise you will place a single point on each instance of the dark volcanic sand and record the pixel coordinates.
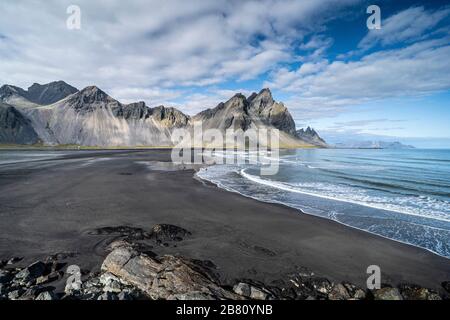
(48, 207)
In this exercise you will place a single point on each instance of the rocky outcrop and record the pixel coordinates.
(262, 107)
(15, 128)
(31, 282)
(387, 293)
(162, 234)
(89, 100)
(413, 292)
(311, 136)
(241, 113)
(169, 117)
(133, 111)
(168, 232)
(258, 111)
(7, 92)
(131, 271)
(232, 114)
(124, 232)
(168, 277)
(252, 291)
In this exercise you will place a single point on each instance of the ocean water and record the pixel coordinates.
(402, 195)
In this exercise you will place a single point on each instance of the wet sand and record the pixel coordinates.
(52, 206)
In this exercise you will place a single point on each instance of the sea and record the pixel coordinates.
(403, 195)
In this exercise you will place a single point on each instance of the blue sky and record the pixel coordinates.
(317, 56)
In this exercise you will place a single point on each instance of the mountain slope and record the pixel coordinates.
(15, 128)
(259, 111)
(37, 94)
(264, 108)
(15, 96)
(231, 114)
(49, 93)
(91, 117)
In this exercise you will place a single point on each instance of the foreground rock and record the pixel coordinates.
(166, 232)
(251, 291)
(387, 294)
(125, 232)
(132, 271)
(167, 277)
(29, 283)
(411, 292)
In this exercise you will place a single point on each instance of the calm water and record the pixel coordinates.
(399, 194)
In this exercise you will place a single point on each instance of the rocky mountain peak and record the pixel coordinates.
(311, 136)
(239, 98)
(7, 91)
(309, 131)
(265, 94)
(93, 95)
(39, 94)
(49, 93)
(102, 120)
(263, 107)
(8, 88)
(238, 102)
(170, 117)
(261, 100)
(91, 98)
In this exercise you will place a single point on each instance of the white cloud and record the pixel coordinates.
(408, 25)
(325, 88)
(316, 42)
(156, 50)
(140, 44)
(153, 97)
(197, 102)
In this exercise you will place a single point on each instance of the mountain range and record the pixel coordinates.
(59, 114)
(372, 145)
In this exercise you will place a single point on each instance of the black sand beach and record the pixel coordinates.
(47, 207)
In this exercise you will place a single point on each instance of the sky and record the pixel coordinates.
(317, 56)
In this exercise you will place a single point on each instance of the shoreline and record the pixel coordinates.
(246, 238)
(300, 211)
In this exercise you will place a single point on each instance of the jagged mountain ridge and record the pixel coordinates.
(372, 145)
(91, 117)
(258, 111)
(240, 112)
(39, 94)
(311, 136)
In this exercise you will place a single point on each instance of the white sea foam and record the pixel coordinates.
(403, 200)
(426, 207)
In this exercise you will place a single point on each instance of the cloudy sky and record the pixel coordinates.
(317, 56)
